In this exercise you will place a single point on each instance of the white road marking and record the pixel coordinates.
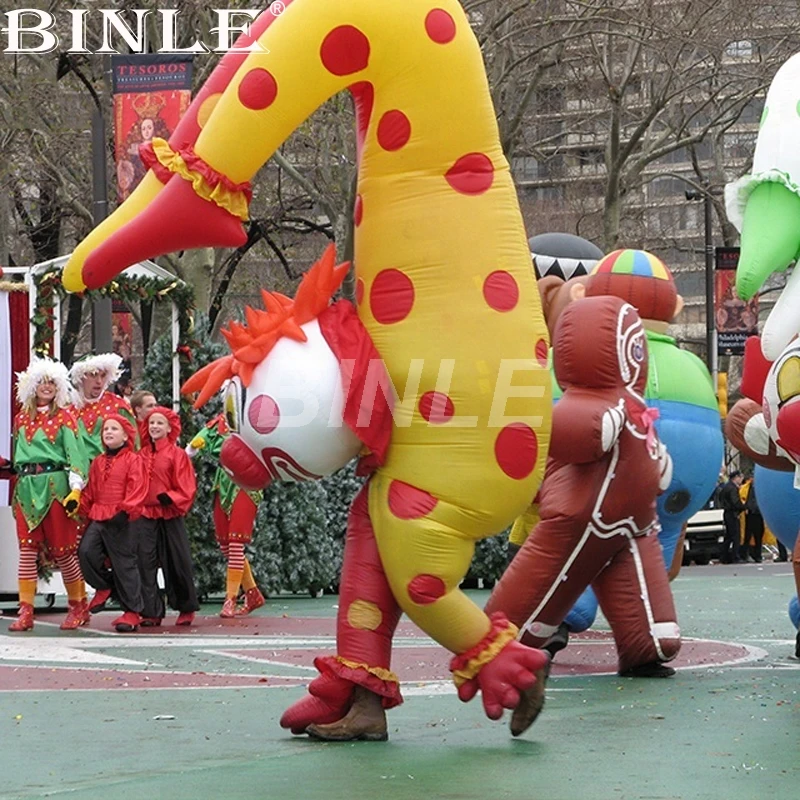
(39, 649)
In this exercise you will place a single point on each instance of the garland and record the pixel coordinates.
(128, 289)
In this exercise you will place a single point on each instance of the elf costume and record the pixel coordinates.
(234, 515)
(51, 470)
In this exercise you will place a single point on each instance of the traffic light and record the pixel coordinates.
(722, 393)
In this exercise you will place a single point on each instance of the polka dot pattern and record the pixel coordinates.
(364, 615)
(394, 130)
(391, 296)
(258, 90)
(264, 414)
(207, 107)
(436, 407)
(440, 26)
(345, 51)
(359, 291)
(363, 94)
(500, 291)
(516, 450)
(358, 210)
(542, 352)
(408, 502)
(426, 589)
(471, 174)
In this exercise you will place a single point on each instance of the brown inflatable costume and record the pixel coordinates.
(598, 521)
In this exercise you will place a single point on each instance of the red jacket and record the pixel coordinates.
(116, 483)
(170, 472)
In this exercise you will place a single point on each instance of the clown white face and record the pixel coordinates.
(287, 424)
(781, 402)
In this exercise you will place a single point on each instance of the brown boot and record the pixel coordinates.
(365, 721)
(531, 702)
(24, 621)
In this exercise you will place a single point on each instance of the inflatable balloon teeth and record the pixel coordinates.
(292, 415)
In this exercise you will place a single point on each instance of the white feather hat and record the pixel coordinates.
(38, 370)
(110, 363)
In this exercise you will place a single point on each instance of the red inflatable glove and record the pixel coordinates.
(788, 426)
(328, 700)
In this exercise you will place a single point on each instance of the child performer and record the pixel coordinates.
(51, 470)
(234, 515)
(115, 493)
(160, 530)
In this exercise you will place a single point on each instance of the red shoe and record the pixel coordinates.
(127, 623)
(150, 622)
(328, 700)
(24, 621)
(253, 599)
(98, 603)
(185, 618)
(78, 615)
(229, 608)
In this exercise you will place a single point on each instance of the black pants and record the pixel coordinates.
(733, 536)
(118, 543)
(163, 542)
(754, 527)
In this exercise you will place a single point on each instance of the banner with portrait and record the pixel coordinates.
(736, 319)
(151, 94)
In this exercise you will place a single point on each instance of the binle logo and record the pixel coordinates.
(277, 8)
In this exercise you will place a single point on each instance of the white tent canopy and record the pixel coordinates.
(143, 269)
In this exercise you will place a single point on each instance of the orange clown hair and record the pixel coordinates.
(252, 341)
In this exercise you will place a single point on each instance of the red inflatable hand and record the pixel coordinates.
(328, 700)
(510, 672)
(788, 426)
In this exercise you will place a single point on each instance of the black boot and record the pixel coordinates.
(655, 669)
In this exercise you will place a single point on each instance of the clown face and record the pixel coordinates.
(287, 424)
(782, 401)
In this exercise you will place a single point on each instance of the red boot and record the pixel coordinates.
(253, 599)
(78, 615)
(328, 700)
(151, 622)
(98, 602)
(24, 621)
(127, 623)
(185, 618)
(229, 608)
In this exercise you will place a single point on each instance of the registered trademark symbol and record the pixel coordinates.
(277, 8)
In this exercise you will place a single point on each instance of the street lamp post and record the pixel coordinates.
(704, 194)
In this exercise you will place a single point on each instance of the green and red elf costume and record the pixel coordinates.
(89, 413)
(51, 469)
(234, 516)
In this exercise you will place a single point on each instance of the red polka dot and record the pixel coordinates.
(542, 351)
(500, 291)
(439, 25)
(516, 449)
(264, 414)
(426, 589)
(471, 174)
(359, 291)
(258, 90)
(358, 210)
(345, 50)
(394, 130)
(364, 99)
(391, 296)
(436, 407)
(408, 502)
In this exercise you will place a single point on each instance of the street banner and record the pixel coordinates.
(151, 94)
(735, 318)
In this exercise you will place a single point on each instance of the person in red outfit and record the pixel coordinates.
(114, 497)
(160, 530)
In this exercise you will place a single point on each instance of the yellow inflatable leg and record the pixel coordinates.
(426, 552)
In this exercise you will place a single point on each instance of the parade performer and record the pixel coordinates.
(91, 378)
(51, 469)
(160, 530)
(598, 522)
(234, 516)
(445, 290)
(113, 497)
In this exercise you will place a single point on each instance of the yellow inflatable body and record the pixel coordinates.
(445, 286)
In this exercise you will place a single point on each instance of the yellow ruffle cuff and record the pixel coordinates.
(206, 181)
(467, 665)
